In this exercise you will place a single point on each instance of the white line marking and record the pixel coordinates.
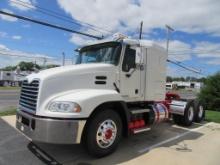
(173, 138)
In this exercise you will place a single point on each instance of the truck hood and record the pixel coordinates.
(60, 81)
(70, 71)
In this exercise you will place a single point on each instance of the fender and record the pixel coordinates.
(88, 99)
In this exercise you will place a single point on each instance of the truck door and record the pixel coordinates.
(130, 76)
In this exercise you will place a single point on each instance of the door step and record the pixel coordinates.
(137, 111)
(139, 130)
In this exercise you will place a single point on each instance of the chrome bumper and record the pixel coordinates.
(56, 131)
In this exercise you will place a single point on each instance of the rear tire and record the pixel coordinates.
(189, 114)
(199, 111)
(103, 133)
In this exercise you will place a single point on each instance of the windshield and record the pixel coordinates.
(100, 53)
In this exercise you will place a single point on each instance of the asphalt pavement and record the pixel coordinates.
(166, 144)
(8, 98)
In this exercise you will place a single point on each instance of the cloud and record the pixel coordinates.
(174, 46)
(215, 61)
(3, 47)
(176, 71)
(198, 16)
(12, 57)
(207, 50)
(188, 16)
(16, 37)
(79, 40)
(8, 18)
(23, 5)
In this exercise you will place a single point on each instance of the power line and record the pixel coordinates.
(184, 67)
(48, 13)
(203, 51)
(216, 53)
(195, 50)
(49, 25)
(60, 16)
(26, 56)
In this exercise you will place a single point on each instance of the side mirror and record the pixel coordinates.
(138, 56)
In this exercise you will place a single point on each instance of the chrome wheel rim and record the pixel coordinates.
(106, 133)
(200, 111)
(190, 114)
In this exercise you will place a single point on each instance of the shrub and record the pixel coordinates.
(210, 93)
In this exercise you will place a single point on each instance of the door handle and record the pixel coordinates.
(131, 71)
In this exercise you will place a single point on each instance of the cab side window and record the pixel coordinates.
(129, 59)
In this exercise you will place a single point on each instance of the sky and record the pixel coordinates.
(195, 41)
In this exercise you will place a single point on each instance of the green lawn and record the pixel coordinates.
(213, 116)
(10, 88)
(8, 112)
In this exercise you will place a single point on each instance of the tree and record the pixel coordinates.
(203, 79)
(182, 79)
(51, 66)
(169, 79)
(210, 93)
(9, 68)
(28, 66)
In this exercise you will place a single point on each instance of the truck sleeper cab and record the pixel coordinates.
(116, 88)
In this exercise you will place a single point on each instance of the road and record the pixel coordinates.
(168, 145)
(8, 98)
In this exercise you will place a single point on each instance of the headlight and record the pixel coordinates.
(66, 107)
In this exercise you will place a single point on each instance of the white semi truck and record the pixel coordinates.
(116, 89)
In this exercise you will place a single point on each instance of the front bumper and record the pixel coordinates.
(47, 130)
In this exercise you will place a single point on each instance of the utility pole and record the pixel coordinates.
(44, 62)
(73, 60)
(141, 27)
(169, 30)
(63, 58)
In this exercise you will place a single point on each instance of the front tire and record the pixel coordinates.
(103, 133)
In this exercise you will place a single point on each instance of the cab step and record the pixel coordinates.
(139, 130)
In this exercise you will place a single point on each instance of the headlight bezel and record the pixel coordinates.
(64, 107)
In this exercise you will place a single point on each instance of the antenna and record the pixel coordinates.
(141, 26)
(169, 30)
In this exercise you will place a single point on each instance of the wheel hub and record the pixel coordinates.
(106, 133)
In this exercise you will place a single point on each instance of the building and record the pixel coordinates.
(11, 78)
(183, 85)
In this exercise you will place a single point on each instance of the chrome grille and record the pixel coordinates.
(29, 94)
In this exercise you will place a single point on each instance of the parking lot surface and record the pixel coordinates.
(167, 144)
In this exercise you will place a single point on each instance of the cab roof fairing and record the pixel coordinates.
(128, 41)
